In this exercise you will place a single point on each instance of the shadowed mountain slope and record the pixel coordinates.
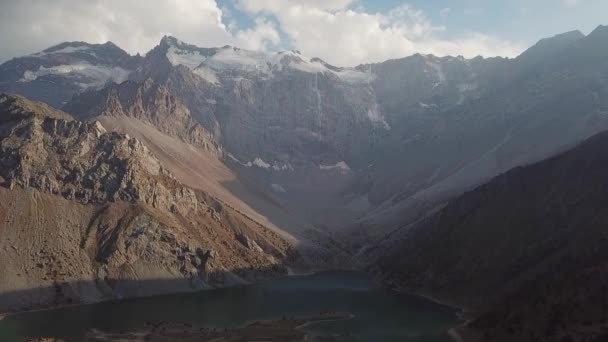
(524, 253)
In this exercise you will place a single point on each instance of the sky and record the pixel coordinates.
(342, 32)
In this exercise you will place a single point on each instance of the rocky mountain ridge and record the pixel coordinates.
(148, 102)
(82, 161)
(345, 149)
(89, 215)
(375, 143)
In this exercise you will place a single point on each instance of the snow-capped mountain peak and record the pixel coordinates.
(209, 62)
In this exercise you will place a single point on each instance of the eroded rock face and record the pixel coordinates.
(379, 141)
(148, 102)
(88, 215)
(81, 161)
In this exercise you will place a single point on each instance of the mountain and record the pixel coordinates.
(149, 112)
(534, 109)
(331, 150)
(341, 149)
(546, 48)
(90, 215)
(408, 133)
(334, 159)
(523, 254)
(57, 73)
(149, 102)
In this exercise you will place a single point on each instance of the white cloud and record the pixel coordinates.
(273, 6)
(134, 25)
(264, 36)
(335, 30)
(341, 35)
(445, 12)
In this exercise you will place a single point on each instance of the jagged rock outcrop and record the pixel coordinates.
(149, 102)
(88, 215)
(82, 161)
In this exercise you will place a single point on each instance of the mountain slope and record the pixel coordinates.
(543, 107)
(518, 252)
(150, 113)
(148, 102)
(345, 151)
(89, 215)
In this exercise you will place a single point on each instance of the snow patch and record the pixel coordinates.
(374, 116)
(94, 75)
(189, 59)
(340, 166)
(347, 75)
(67, 50)
(427, 105)
(310, 67)
(72, 49)
(206, 74)
(278, 188)
(236, 59)
(438, 69)
(259, 162)
(266, 64)
(282, 167)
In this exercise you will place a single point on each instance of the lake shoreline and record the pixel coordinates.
(461, 312)
(292, 273)
(124, 299)
(284, 328)
(286, 297)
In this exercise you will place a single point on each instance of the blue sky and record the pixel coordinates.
(343, 32)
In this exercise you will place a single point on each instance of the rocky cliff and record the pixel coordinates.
(148, 102)
(89, 215)
(343, 149)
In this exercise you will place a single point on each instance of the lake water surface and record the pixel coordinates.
(380, 315)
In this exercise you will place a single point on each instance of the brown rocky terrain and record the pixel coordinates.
(311, 147)
(88, 215)
(524, 254)
(149, 112)
(149, 102)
